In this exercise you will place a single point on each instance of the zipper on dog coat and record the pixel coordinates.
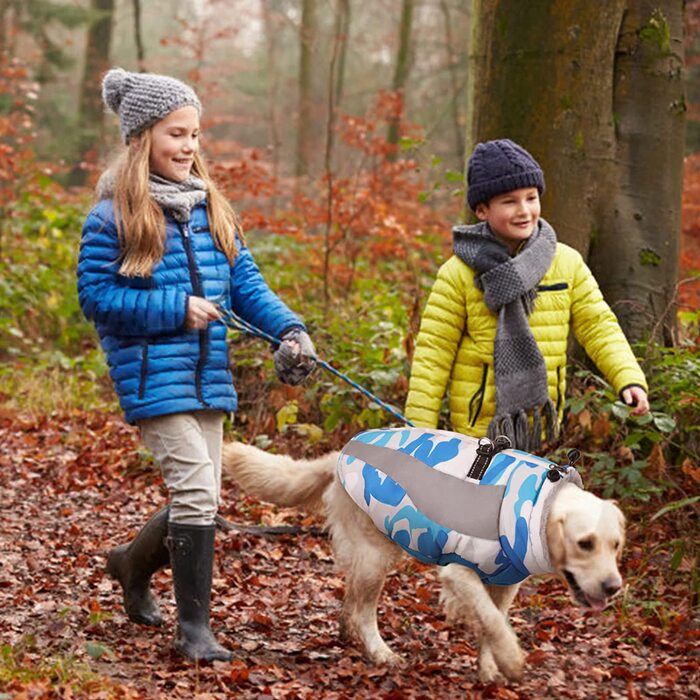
(416, 487)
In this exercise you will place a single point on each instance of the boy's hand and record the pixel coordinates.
(637, 397)
(199, 314)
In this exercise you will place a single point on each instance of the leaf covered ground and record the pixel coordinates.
(71, 487)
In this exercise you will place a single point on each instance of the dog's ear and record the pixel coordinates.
(623, 524)
(556, 542)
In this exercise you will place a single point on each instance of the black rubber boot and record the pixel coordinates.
(192, 559)
(134, 563)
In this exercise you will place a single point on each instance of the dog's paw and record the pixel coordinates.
(488, 668)
(384, 655)
(505, 651)
(509, 657)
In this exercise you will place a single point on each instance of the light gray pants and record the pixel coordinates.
(187, 446)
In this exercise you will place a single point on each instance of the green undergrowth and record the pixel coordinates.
(29, 672)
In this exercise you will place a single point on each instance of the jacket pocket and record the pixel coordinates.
(144, 371)
(556, 287)
(477, 400)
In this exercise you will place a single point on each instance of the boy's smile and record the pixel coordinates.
(512, 216)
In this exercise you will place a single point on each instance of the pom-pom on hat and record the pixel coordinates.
(142, 99)
(500, 166)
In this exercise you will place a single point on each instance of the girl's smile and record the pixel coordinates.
(174, 143)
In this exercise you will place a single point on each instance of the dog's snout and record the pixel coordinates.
(610, 587)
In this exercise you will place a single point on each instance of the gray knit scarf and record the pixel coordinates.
(510, 288)
(179, 198)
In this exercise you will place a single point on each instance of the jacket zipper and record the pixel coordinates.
(558, 389)
(144, 370)
(478, 395)
(197, 289)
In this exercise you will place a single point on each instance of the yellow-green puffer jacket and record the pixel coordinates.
(457, 334)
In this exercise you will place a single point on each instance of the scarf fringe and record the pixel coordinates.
(551, 420)
(516, 427)
(536, 441)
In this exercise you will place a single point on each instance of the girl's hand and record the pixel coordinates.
(637, 397)
(200, 313)
(295, 357)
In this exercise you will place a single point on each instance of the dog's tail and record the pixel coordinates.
(279, 479)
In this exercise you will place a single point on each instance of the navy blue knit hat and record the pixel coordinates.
(500, 166)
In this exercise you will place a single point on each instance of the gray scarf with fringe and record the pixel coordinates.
(510, 288)
(179, 198)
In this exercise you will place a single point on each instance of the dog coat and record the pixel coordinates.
(414, 485)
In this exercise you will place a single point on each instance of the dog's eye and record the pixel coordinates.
(586, 545)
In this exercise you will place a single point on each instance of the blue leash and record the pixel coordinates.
(236, 323)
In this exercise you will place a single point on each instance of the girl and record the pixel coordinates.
(161, 252)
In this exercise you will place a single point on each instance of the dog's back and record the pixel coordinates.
(279, 479)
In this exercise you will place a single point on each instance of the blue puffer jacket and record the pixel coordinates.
(157, 366)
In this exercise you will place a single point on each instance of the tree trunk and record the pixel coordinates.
(571, 81)
(138, 36)
(270, 14)
(90, 115)
(342, 32)
(452, 65)
(305, 128)
(402, 68)
(635, 255)
(335, 78)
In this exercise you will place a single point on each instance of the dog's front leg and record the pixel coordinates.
(502, 596)
(467, 600)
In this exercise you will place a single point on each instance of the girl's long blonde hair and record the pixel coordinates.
(140, 221)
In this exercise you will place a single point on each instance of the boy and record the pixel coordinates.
(498, 317)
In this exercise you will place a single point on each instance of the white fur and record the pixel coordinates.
(584, 534)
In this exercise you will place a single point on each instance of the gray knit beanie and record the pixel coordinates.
(500, 166)
(142, 99)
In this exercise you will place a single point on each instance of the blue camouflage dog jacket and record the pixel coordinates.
(419, 488)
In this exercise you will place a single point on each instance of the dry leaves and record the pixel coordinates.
(72, 487)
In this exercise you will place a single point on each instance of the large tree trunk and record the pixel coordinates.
(90, 115)
(635, 255)
(571, 82)
(402, 67)
(306, 127)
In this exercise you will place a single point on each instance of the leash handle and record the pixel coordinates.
(232, 320)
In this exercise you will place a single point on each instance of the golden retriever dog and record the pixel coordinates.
(584, 535)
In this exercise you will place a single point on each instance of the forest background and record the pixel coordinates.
(339, 130)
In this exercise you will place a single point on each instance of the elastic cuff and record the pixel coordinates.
(629, 386)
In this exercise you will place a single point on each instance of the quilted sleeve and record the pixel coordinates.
(255, 302)
(596, 328)
(441, 329)
(123, 306)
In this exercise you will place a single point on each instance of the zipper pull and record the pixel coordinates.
(502, 442)
(573, 455)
